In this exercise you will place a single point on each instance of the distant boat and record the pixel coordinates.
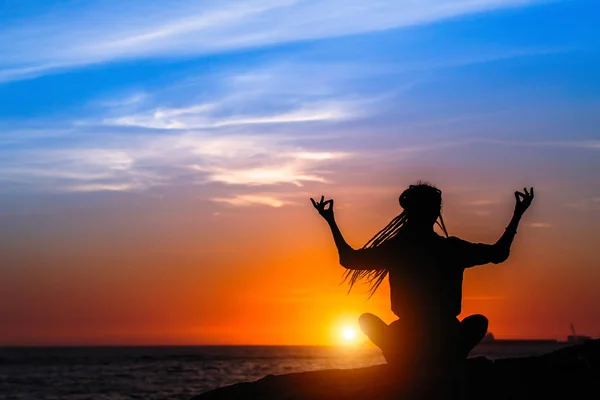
(578, 339)
(491, 340)
(572, 339)
(575, 338)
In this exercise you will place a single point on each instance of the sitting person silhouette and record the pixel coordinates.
(425, 275)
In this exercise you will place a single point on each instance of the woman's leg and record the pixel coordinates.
(389, 338)
(472, 329)
(374, 328)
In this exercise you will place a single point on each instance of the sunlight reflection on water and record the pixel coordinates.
(112, 373)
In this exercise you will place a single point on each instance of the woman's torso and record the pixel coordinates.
(425, 280)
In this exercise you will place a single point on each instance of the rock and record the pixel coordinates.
(572, 372)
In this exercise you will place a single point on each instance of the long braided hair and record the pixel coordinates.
(417, 198)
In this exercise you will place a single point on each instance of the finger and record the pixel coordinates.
(313, 202)
(526, 192)
(322, 199)
(520, 196)
(531, 192)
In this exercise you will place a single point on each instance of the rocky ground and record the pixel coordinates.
(569, 373)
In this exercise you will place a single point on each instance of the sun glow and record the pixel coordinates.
(349, 334)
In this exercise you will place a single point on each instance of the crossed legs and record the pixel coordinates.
(471, 330)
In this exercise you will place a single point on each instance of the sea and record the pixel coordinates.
(153, 373)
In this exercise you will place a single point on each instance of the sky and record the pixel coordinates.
(157, 160)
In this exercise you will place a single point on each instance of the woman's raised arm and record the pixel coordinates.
(473, 254)
(349, 257)
(502, 246)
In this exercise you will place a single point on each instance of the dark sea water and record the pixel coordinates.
(115, 373)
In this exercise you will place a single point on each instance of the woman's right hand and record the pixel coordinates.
(324, 211)
(523, 201)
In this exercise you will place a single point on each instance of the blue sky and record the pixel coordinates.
(119, 96)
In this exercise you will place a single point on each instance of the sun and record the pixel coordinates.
(349, 334)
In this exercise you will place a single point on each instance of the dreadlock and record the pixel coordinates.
(415, 195)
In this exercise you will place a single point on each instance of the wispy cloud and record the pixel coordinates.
(283, 93)
(78, 169)
(482, 213)
(83, 34)
(574, 144)
(260, 176)
(143, 161)
(540, 225)
(270, 163)
(128, 100)
(199, 116)
(98, 187)
(243, 132)
(589, 204)
(269, 124)
(251, 200)
(483, 202)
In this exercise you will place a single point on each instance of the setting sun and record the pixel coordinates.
(349, 334)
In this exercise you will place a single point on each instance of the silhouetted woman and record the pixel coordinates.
(425, 274)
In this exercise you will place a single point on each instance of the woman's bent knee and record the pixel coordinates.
(476, 320)
(368, 321)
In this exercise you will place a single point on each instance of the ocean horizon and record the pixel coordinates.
(180, 372)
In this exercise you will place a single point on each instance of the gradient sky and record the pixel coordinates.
(156, 161)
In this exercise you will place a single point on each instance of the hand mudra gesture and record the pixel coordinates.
(324, 207)
(523, 200)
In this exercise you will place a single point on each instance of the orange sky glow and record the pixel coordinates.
(177, 272)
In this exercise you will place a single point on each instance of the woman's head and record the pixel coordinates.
(422, 203)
